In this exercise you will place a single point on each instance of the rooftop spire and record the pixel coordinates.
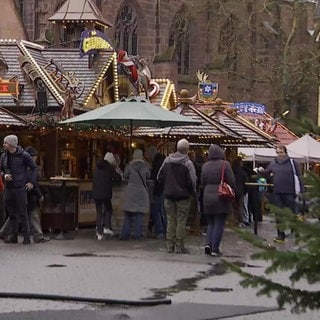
(74, 11)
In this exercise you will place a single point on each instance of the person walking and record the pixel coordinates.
(178, 177)
(241, 218)
(14, 163)
(282, 170)
(105, 174)
(215, 208)
(136, 202)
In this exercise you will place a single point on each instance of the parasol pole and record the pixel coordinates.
(130, 141)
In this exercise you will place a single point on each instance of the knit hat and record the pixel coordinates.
(183, 146)
(137, 154)
(32, 151)
(12, 140)
(110, 158)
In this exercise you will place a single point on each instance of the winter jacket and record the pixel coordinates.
(103, 177)
(137, 172)
(17, 164)
(283, 176)
(178, 177)
(241, 178)
(35, 193)
(156, 165)
(210, 180)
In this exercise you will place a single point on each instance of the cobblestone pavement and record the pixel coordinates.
(136, 271)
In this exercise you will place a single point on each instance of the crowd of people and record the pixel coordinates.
(163, 186)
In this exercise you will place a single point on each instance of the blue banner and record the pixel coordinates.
(249, 108)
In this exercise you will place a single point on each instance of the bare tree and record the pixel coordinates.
(266, 53)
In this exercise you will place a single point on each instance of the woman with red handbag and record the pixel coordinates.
(215, 171)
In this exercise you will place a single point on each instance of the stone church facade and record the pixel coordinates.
(235, 45)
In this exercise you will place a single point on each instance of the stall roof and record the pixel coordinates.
(218, 127)
(282, 133)
(27, 61)
(9, 119)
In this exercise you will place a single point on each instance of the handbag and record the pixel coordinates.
(225, 191)
(1, 184)
(297, 186)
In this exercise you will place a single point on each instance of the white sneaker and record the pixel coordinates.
(99, 236)
(108, 232)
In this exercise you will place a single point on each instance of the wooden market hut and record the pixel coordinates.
(43, 78)
(220, 125)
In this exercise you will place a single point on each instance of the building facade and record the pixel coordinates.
(255, 50)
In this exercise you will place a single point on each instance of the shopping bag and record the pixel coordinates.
(297, 187)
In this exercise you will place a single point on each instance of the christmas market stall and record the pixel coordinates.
(221, 124)
(52, 85)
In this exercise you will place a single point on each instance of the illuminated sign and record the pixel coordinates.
(8, 88)
(92, 41)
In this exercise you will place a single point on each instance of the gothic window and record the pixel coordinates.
(19, 4)
(263, 49)
(126, 30)
(99, 4)
(36, 20)
(227, 36)
(227, 46)
(179, 38)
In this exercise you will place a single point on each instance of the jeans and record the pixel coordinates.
(158, 215)
(245, 208)
(16, 205)
(284, 200)
(132, 219)
(104, 214)
(215, 230)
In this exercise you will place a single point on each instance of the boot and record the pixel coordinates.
(11, 239)
(26, 240)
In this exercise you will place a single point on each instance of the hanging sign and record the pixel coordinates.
(250, 108)
(92, 41)
(8, 88)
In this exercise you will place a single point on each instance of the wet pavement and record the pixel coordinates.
(86, 278)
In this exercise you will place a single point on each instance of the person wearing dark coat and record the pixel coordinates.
(215, 208)
(14, 164)
(241, 190)
(106, 172)
(158, 216)
(282, 170)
